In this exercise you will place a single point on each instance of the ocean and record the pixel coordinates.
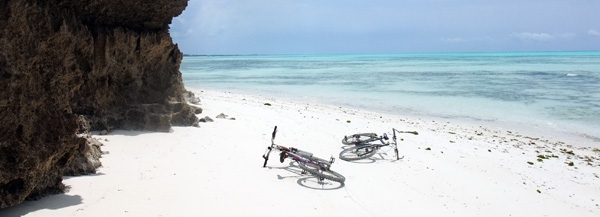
(555, 91)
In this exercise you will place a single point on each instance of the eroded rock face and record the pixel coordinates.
(113, 62)
(86, 159)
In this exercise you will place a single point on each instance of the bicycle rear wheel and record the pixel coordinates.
(317, 171)
(359, 138)
(358, 152)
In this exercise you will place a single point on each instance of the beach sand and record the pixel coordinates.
(449, 169)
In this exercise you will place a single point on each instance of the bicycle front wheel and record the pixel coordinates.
(317, 171)
(359, 138)
(358, 153)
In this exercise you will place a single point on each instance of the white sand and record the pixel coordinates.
(216, 170)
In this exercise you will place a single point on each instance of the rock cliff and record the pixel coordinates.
(65, 64)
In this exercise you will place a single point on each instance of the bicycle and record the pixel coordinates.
(359, 138)
(364, 146)
(306, 161)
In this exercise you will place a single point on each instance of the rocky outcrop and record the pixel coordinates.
(86, 158)
(111, 64)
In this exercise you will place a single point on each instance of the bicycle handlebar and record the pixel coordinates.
(396, 143)
(270, 148)
(274, 132)
(273, 146)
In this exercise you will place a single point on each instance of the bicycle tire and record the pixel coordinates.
(359, 138)
(358, 152)
(317, 171)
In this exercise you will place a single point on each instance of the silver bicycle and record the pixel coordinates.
(309, 163)
(367, 144)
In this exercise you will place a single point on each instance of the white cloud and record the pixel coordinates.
(529, 36)
(594, 32)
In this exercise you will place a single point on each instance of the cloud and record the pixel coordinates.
(529, 36)
(293, 26)
(594, 32)
(203, 19)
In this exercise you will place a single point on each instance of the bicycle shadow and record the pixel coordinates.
(347, 147)
(307, 180)
(315, 183)
(380, 156)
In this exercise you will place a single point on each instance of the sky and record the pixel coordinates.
(223, 27)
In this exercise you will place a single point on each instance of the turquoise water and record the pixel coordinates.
(547, 90)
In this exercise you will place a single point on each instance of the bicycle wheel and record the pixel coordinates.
(359, 138)
(358, 152)
(317, 171)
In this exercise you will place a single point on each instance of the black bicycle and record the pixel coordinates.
(366, 145)
(359, 138)
(309, 163)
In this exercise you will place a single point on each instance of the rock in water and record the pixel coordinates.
(113, 62)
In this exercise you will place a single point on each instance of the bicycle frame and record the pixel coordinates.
(383, 143)
(296, 154)
(306, 161)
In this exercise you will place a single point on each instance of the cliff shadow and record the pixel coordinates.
(126, 133)
(53, 202)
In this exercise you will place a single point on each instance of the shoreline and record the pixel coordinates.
(538, 130)
(550, 94)
(449, 169)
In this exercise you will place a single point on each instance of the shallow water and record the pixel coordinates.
(559, 91)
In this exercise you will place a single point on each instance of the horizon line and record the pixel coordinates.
(407, 53)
